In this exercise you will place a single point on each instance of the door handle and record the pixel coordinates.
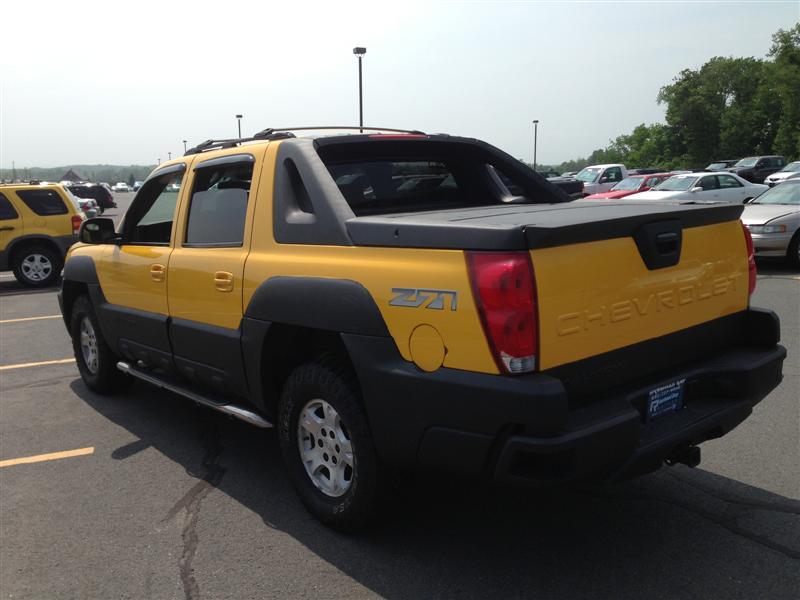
(158, 272)
(223, 281)
(7, 228)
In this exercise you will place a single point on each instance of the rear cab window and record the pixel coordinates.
(385, 177)
(44, 202)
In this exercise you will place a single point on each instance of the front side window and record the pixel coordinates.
(726, 181)
(218, 207)
(708, 183)
(7, 211)
(44, 203)
(612, 174)
(149, 219)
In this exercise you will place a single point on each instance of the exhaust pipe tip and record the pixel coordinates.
(689, 456)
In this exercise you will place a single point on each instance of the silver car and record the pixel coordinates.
(774, 221)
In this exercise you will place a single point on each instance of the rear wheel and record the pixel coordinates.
(327, 445)
(793, 252)
(36, 265)
(96, 362)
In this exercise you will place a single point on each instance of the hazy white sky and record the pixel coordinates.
(122, 83)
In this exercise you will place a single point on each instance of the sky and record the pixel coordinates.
(124, 83)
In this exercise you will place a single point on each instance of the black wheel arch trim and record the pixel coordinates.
(80, 269)
(339, 305)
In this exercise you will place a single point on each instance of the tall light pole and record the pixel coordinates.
(169, 154)
(239, 121)
(184, 146)
(159, 161)
(535, 139)
(360, 52)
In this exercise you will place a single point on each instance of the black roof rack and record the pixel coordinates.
(280, 133)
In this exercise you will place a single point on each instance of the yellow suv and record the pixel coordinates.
(405, 300)
(38, 224)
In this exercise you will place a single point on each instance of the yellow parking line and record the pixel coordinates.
(45, 457)
(20, 320)
(60, 361)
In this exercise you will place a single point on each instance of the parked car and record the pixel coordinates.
(96, 192)
(121, 187)
(441, 328)
(549, 174)
(704, 187)
(757, 168)
(38, 224)
(790, 171)
(630, 185)
(774, 222)
(601, 178)
(569, 174)
(646, 171)
(721, 165)
(137, 185)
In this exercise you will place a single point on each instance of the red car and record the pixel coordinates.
(630, 185)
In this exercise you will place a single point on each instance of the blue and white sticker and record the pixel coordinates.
(665, 399)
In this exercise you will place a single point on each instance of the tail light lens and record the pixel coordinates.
(751, 260)
(76, 223)
(505, 292)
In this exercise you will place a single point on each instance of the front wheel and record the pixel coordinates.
(327, 445)
(96, 362)
(793, 252)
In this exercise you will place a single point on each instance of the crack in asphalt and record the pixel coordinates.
(190, 502)
(729, 520)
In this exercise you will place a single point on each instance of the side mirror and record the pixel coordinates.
(696, 189)
(98, 230)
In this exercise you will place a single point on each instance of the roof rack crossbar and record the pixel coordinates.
(280, 133)
(272, 130)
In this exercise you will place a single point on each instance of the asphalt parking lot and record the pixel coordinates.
(164, 499)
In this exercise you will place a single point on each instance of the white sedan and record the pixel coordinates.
(120, 187)
(703, 187)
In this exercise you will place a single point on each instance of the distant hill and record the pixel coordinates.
(108, 173)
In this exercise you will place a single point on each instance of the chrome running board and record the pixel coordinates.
(234, 410)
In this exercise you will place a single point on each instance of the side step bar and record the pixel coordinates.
(234, 410)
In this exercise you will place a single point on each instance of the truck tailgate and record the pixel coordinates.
(594, 297)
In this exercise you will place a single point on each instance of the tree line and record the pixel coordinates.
(727, 109)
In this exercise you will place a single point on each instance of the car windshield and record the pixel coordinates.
(588, 175)
(748, 162)
(717, 167)
(675, 184)
(785, 193)
(629, 184)
(792, 167)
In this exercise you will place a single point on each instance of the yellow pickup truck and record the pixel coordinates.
(398, 299)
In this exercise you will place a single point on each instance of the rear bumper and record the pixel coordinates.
(537, 429)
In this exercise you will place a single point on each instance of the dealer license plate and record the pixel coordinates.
(665, 399)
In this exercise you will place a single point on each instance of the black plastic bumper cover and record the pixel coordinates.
(529, 430)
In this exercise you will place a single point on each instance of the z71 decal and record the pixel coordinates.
(434, 299)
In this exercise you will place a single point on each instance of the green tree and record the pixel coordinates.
(785, 88)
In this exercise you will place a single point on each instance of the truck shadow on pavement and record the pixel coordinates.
(677, 533)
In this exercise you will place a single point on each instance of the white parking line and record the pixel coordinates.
(22, 319)
(44, 363)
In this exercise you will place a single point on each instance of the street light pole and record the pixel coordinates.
(535, 140)
(239, 121)
(184, 146)
(169, 154)
(360, 52)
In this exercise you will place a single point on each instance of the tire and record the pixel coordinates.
(325, 395)
(793, 252)
(96, 362)
(36, 265)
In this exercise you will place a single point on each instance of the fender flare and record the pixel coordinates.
(80, 269)
(339, 305)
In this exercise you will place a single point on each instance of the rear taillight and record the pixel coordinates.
(505, 292)
(751, 260)
(76, 223)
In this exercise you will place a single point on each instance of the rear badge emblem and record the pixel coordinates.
(433, 299)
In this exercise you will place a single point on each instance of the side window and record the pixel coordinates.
(149, 219)
(613, 174)
(218, 207)
(762, 164)
(6, 209)
(44, 203)
(726, 181)
(780, 162)
(708, 183)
